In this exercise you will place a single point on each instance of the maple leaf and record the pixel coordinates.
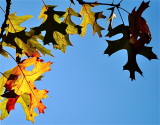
(124, 43)
(90, 17)
(15, 21)
(21, 83)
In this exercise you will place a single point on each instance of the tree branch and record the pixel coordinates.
(83, 2)
(4, 25)
(114, 5)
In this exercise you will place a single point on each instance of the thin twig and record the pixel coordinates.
(83, 2)
(115, 5)
(120, 2)
(124, 10)
(112, 1)
(120, 15)
(44, 4)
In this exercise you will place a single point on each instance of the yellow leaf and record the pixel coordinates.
(15, 21)
(24, 100)
(21, 81)
(3, 111)
(90, 17)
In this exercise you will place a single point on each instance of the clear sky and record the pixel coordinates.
(87, 87)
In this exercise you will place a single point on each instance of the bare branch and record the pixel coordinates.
(4, 25)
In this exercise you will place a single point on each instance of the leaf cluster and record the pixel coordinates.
(17, 84)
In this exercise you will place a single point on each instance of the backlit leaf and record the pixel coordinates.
(21, 81)
(15, 21)
(90, 17)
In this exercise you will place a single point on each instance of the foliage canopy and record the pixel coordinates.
(17, 84)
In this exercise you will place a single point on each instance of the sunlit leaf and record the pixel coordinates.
(15, 21)
(90, 17)
(22, 82)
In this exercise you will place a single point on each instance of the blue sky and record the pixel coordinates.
(87, 87)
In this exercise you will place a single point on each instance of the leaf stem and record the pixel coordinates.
(44, 4)
(114, 5)
(3, 75)
(4, 25)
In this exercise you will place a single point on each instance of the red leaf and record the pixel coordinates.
(11, 103)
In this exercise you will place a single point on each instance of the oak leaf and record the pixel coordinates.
(15, 21)
(140, 33)
(72, 28)
(21, 82)
(124, 43)
(90, 17)
(50, 24)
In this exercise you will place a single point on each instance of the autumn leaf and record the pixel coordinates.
(3, 80)
(62, 40)
(57, 31)
(90, 17)
(50, 24)
(24, 100)
(21, 83)
(4, 53)
(33, 41)
(19, 41)
(39, 47)
(139, 28)
(124, 43)
(4, 112)
(72, 28)
(134, 38)
(15, 21)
